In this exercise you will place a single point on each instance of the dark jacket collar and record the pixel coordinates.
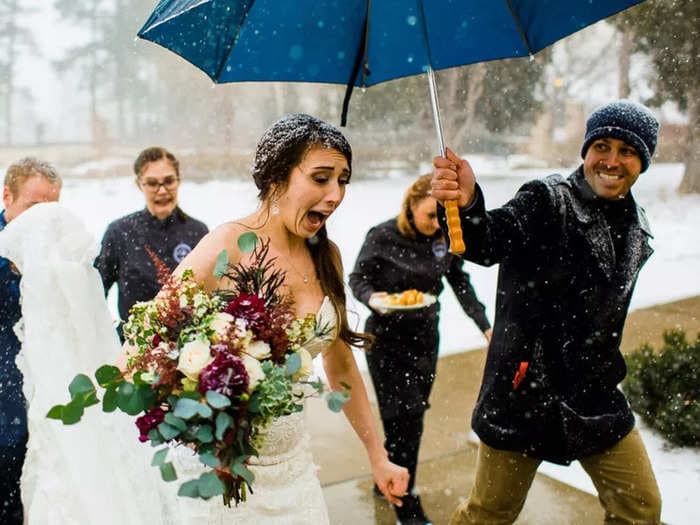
(587, 214)
(596, 229)
(176, 216)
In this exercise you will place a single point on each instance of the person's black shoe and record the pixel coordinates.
(411, 513)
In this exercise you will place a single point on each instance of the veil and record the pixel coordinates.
(95, 471)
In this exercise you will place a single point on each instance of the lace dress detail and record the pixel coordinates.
(287, 489)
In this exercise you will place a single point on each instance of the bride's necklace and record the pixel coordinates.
(304, 275)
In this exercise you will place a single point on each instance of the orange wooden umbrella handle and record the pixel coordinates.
(454, 227)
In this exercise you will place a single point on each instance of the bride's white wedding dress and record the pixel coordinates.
(287, 489)
(95, 472)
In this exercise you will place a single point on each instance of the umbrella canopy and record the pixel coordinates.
(363, 42)
(324, 40)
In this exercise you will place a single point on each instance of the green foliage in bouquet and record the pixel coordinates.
(664, 387)
(210, 371)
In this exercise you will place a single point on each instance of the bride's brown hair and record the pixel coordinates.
(279, 150)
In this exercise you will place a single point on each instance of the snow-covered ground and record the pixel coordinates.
(671, 273)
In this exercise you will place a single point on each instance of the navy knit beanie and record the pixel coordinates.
(624, 120)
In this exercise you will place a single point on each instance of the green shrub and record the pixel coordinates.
(664, 387)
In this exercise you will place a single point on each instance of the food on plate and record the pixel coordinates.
(405, 298)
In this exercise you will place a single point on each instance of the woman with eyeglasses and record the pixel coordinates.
(402, 256)
(162, 226)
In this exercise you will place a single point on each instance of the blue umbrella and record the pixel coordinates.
(361, 42)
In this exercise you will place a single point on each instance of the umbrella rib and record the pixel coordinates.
(361, 54)
(424, 27)
(178, 13)
(516, 18)
(229, 46)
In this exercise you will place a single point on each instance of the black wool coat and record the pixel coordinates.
(403, 359)
(564, 287)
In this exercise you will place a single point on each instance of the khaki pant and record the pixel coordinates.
(622, 475)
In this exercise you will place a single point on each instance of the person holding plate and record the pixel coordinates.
(400, 255)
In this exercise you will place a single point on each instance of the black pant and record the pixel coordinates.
(11, 461)
(403, 436)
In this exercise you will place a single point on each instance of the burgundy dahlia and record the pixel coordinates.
(226, 374)
(149, 421)
(252, 309)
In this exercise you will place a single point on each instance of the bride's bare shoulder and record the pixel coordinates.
(202, 259)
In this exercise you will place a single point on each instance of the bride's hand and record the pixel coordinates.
(391, 479)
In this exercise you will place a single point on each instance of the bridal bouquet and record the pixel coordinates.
(210, 371)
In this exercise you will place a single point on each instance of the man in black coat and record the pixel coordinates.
(161, 227)
(569, 251)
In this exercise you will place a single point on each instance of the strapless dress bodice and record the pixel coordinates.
(327, 325)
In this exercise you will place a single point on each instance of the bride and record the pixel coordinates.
(102, 474)
(302, 167)
(96, 472)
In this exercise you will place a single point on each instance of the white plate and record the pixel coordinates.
(380, 303)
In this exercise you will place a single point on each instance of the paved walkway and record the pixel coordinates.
(448, 453)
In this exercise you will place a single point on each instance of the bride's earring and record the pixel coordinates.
(275, 205)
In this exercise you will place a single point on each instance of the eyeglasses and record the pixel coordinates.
(154, 185)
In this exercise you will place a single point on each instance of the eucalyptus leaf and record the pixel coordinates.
(167, 472)
(71, 413)
(186, 408)
(81, 384)
(204, 410)
(148, 395)
(221, 264)
(189, 489)
(172, 420)
(241, 470)
(55, 412)
(106, 374)
(210, 485)
(336, 400)
(293, 364)
(129, 399)
(249, 449)
(210, 460)
(110, 400)
(217, 400)
(88, 399)
(223, 423)
(168, 432)
(204, 434)
(247, 242)
(155, 437)
(159, 457)
(254, 403)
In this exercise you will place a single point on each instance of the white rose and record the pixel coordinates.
(259, 350)
(255, 371)
(221, 323)
(194, 356)
(307, 365)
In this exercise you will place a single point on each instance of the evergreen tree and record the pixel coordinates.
(89, 58)
(667, 31)
(14, 39)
